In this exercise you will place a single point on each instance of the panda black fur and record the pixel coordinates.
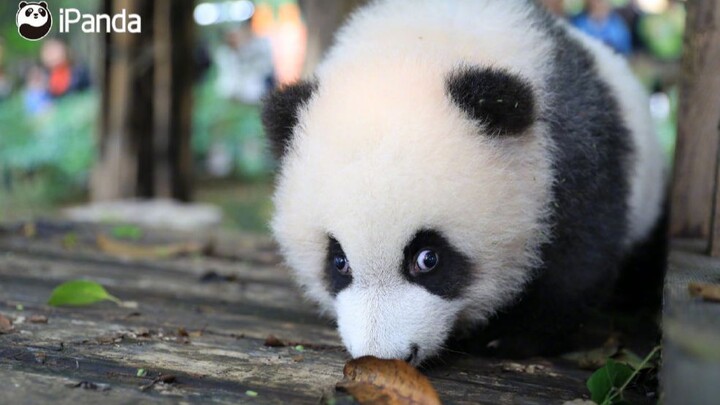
(33, 20)
(517, 151)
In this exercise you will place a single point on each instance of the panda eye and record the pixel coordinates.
(42, 12)
(28, 12)
(425, 261)
(342, 265)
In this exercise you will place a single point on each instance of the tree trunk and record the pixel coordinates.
(174, 29)
(323, 18)
(693, 189)
(144, 131)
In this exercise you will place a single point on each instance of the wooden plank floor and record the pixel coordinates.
(227, 303)
(691, 328)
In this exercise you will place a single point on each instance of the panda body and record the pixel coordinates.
(517, 152)
(33, 20)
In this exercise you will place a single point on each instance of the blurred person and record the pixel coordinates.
(5, 83)
(36, 96)
(245, 69)
(64, 76)
(599, 20)
(556, 7)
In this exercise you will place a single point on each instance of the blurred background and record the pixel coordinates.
(93, 126)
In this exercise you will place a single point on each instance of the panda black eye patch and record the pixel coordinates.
(336, 280)
(449, 277)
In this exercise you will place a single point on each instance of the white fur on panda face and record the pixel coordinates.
(382, 153)
(32, 14)
(403, 321)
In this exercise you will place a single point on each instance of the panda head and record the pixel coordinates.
(409, 198)
(33, 20)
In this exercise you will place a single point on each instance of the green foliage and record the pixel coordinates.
(607, 384)
(663, 33)
(234, 126)
(58, 139)
(607, 380)
(79, 292)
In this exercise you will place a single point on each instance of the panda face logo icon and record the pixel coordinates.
(33, 20)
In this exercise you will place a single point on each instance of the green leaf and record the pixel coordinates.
(608, 379)
(79, 292)
(127, 232)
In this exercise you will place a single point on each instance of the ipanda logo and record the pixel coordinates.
(34, 21)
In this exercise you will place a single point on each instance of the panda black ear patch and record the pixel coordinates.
(280, 114)
(502, 102)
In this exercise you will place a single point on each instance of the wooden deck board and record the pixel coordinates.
(228, 322)
(691, 328)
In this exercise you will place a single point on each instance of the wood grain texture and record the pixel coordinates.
(696, 154)
(203, 320)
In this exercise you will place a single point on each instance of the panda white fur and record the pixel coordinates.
(33, 20)
(466, 162)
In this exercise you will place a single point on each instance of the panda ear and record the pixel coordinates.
(280, 113)
(502, 102)
(43, 4)
(22, 4)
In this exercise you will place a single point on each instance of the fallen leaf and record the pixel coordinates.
(708, 292)
(376, 381)
(6, 325)
(593, 359)
(79, 292)
(135, 251)
(611, 376)
(126, 232)
(29, 230)
(273, 341)
(88, 385)
(69, 240)
(38, 319)
(165, 379)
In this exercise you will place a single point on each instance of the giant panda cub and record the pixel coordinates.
(462, 165)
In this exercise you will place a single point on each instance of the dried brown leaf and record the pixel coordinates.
(38, 319)
(376, 381)
(6, 325)
(135, 251)
(274, 341)
(708, 292)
